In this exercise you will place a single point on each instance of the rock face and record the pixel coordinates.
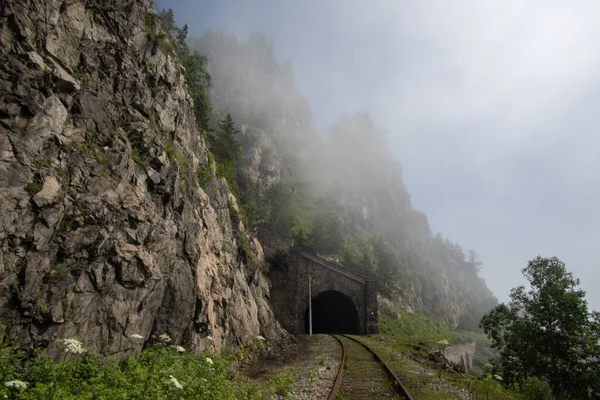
(104, 231)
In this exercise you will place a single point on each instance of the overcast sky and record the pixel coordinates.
(492, 107)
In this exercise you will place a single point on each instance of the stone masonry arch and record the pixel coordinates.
(290, 292)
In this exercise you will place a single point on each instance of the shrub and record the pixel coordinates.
(536, 389)
(281, 257)
(162, 371)
(33, 186)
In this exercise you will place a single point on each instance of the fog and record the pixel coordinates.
(490, 107)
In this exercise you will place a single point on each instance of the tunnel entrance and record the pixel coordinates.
(333, 312)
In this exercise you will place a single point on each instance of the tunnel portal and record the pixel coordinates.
(333, 312)
(342, 300)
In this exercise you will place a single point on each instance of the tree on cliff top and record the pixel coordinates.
(196, 73)
(223, 143)
(547, 332)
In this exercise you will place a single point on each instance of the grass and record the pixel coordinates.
(139, 151)
(277, 385)
(33, 186)
(282, 384)
(206, 173)
(92, 149)
(411, 338)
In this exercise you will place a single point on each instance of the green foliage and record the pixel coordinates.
(196, 74)
(9, 356)
(326, 235)
(91, 148)
(228, 171)
(147, 376)
(251, 215)
(206, 174)
(157, 34)
(536, 389)
(66, 221)
(223, 143)
(139, 151)
(283, 383)
(300, 230)
(547, 332)
(199, 82)
(410, 339)
(34, 186)
(412, 327)
(281, 257)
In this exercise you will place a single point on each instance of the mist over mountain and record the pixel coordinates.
(490, 108)
(339, 192)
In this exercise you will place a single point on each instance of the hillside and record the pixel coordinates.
(340, 193)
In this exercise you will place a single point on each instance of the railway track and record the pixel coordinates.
(363, 375)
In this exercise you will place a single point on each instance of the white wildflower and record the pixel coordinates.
(259, 337)
(175, 382)
(165, 338)
(179, 349)
(16, 384)
(210, 338)
(443, 342)
(74, 346)
(135, 336)
(209, 361)
(498, 377)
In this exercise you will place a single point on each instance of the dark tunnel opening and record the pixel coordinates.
(333, 312)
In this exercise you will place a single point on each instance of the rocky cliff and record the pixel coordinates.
(104, 231)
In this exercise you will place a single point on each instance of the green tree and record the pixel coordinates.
(326, 235)
(474, 261)
(199, 83)
(223, 144)
(388, 269)
(196, 73)
(167, 21)
(547, 332)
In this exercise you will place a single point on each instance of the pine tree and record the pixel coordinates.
(474, 261)
(223, 143)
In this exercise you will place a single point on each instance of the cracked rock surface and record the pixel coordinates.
(104, 230)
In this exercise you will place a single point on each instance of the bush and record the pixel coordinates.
(536, 389)
(159, 372)
(280, 258)
(33, 186)
(283, 383)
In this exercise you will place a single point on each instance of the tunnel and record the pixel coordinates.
(333, 312)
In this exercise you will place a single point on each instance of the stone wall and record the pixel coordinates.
(461, 354)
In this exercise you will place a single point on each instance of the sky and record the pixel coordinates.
(491, 107)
